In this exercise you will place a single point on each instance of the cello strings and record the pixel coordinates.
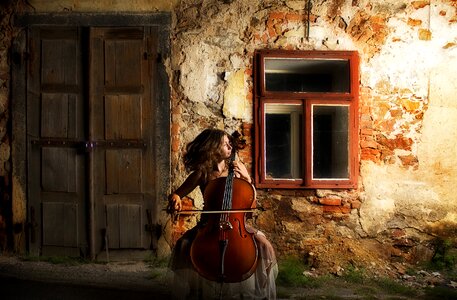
(227, 201)
(227, 197)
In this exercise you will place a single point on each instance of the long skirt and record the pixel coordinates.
(186, 283)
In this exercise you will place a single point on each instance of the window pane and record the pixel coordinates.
(283, 141)
(330, 142)
(307, 75)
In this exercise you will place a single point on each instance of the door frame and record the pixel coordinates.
(161, 20)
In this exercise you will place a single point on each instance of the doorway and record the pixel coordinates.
(94, 107)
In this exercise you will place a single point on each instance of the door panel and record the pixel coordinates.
(123, 171)
(60, 224)
(123, 116)
(129, 235)
(55, 112)
(121, 125)
(59, 170)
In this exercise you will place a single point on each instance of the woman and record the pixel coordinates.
(207, 157)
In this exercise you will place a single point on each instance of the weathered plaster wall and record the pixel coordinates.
(407, 117)
(414, 116)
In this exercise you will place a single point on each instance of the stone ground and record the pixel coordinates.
(142, 276)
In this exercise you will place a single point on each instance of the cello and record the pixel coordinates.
(223, 250)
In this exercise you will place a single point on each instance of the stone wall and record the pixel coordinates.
(6, 36)
(408, 126)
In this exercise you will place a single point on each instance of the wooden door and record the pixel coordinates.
(55, 133)
(121, 130)
(90, 130)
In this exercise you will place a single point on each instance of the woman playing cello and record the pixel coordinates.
(207, 158)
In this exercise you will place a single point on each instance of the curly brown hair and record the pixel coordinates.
(203, 153)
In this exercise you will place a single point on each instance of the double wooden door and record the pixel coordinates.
(90, 129)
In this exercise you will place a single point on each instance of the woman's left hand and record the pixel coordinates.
(240, 171)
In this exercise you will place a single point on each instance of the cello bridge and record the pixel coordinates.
(225, 225)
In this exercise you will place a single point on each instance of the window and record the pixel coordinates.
(306, 131)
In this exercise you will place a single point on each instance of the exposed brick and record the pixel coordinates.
(397, 233)
(366, 131)
(294, 17)
(410, 105)
(247, 129)
(175, 129)
(409, 160)
(175, 144)
(414, 22)
(425, 34)
(277, 15)
(365, 110)
(420, 4)
(336, 209)
(399, 142)
(370, 154)
(396, 113)
(249, 96)
(368, 144)
(366, 124)
(387, 125)
(271, 32)
(330, 201)
(356, 204)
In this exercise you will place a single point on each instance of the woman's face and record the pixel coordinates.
(226, 147)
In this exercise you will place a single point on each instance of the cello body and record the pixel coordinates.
(223, 250)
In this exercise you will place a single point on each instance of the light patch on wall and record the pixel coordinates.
(437, 152)
(398, 192)
(236, 104)
(393, 63)
(198, 74)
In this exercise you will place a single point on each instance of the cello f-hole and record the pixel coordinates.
(240, 230)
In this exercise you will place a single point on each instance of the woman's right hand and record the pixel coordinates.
(174, 203)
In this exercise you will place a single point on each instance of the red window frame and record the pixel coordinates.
(306, 100)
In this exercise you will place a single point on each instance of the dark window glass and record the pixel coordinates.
(330, 142)
(310, 75)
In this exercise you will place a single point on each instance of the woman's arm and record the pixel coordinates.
(174, 199)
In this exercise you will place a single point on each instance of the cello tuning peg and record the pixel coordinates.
(237, 141)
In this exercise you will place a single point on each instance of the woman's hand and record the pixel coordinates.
(174, 203)
(240, 171)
